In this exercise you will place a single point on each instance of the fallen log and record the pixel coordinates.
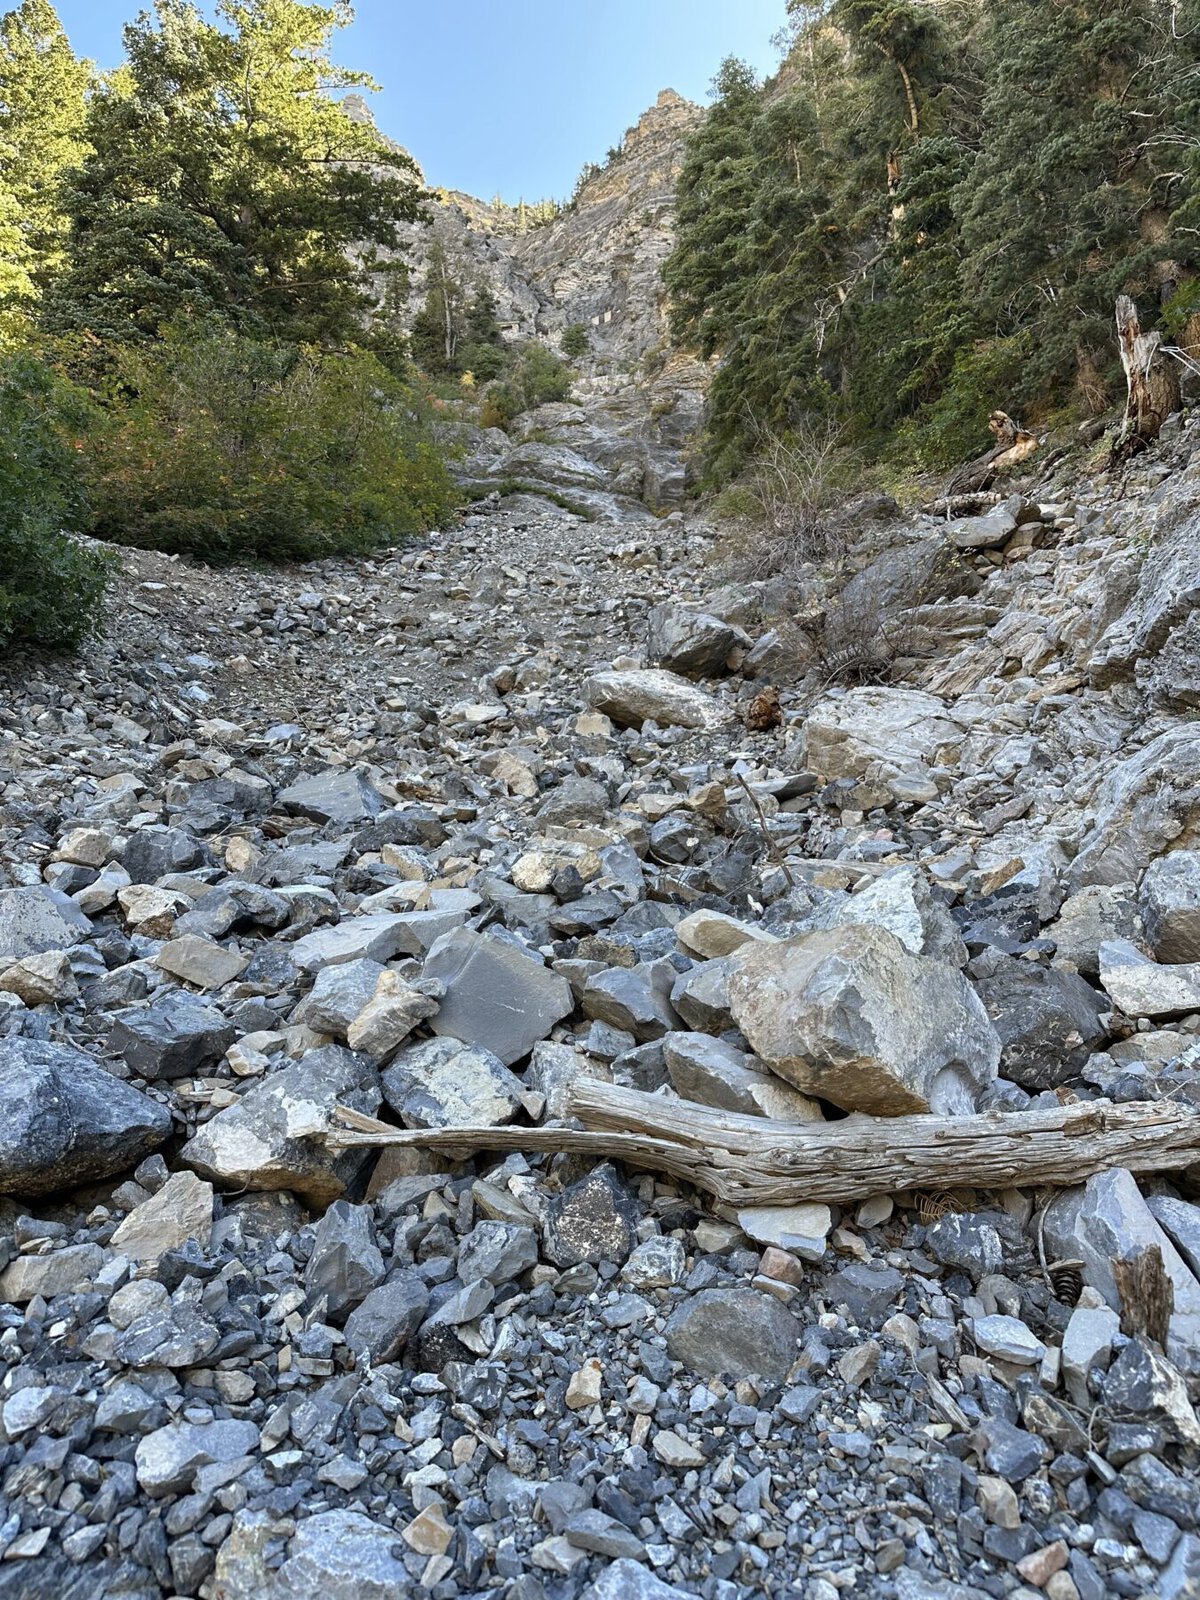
(750, 1161)
(1153, 382)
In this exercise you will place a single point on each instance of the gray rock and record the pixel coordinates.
(345, 1264)
(1048, 1022)
(379, 1328)
(629, 1580)
(38, 919)
(895, 730)
(497, 1251)
(1090, 918)
(1106, 1220)
(634, 697)
(1087, 1347)
(172, 1038)
(714, 1073)
(1180, 1221)
(734, 1333)
(1170, 907)
(152, 853)
(338, 995)
(495, 994)
(67, 1121)
(169, 1458)
(1142, 806)
(802, 1230)
(636, 999)
(657, 1263)
(339, 794)
(701, 997)
(378, 936)
(1142, 1383)
(594, 1220)
(689, 641)
(868, 1289)
(1180, 1579)
(854, 1017)
(441, 1083)
(271, 1138)
(1008, 1339)
(1141, 988)
(902, 901)
(968, 1242)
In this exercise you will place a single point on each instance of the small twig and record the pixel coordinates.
(772, 848)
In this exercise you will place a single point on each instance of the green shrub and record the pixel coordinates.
(576, 341)
(225, 448)
(535, 378)
(51, 587)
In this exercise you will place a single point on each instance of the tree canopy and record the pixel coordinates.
(225, 176)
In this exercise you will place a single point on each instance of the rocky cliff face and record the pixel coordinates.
(598, 263)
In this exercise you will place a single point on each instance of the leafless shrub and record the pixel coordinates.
(784, 512)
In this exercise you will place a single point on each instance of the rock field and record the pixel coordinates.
(435, 837)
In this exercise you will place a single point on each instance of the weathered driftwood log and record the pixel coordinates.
(1153, 381)
(749, 1161)
(1013, 445)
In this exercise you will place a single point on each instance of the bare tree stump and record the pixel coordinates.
(1014, 444)
(1153, 382)
(1147, 1296)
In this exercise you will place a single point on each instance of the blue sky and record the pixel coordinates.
(511, 97)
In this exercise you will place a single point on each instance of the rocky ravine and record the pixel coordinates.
(434, 836)
(618, 448)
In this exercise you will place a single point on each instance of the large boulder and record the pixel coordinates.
(884, 731)
(271, 1139)
(1170, 905)
(641, 695)
(1148, 803)
(67, 1121)
(1049, 1022)
(902, 901)
(687, 640)
(853, 1017)
(1142, 988)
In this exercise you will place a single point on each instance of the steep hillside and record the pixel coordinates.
(598, 264)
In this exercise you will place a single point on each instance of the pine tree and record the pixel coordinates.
(43, 89)
(225, 178)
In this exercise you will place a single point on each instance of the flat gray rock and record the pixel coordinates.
(339, 795)
(495, 994)
(37, 919)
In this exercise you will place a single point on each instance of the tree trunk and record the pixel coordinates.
(749, 1161)
(1153, 381)
(1013, 445)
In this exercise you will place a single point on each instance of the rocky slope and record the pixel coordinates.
(438, 836)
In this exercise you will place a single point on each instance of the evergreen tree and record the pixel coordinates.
(226, 178)
(43, 89)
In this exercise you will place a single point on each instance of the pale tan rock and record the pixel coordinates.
(241, 855)
(40, 980)
(384, 1023)
(201, 962)
(585, 1387)
(429, 1534)
(712, 934)
(151, 911)
(181, 1210)
(84, 847)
